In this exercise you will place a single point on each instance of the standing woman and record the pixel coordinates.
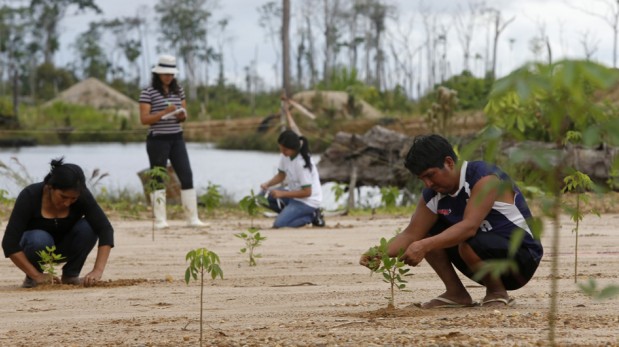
(61, 212)
(165, 138)
(300, 203)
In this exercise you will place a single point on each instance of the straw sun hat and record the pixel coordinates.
(166, 65)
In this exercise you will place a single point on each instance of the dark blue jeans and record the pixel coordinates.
(160, 148)
(292, 213)
(75, 247)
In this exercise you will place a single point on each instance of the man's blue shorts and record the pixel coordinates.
(492, 246)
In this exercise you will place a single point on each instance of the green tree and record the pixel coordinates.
(92, 58)
(127, 41)
(15, 23)
(183, 27)
(48, 14)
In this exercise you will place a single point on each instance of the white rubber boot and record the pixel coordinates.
(159, 209)
(190, 205)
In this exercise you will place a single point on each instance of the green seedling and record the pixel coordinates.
(591, 289)
(201, 262)
(389, 196)
(392, 269)
(157, 179)
(252, 239)
(251, 205)
(338, 190)
(48, 261)
(212, 198)
(578, 183)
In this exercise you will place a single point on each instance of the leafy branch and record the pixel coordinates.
(201, 262)
(48, 261)
(392, 268)
(252, 239)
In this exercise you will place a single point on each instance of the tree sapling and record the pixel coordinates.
(252, 239)
(48, 261)
(157, 179)
(202, 261)
(392, 268)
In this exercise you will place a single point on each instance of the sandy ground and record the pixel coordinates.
(307, 290)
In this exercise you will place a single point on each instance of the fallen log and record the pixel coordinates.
(376, 158)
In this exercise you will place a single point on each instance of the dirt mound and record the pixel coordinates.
(338, 102)
(94, 93)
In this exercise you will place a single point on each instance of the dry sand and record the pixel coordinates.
(307, 290)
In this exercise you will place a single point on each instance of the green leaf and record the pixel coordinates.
(515, 241)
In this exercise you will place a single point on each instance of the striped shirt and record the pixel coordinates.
(159, 103)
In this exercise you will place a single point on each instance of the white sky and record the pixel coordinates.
(564, 26)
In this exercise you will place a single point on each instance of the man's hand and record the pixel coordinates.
(369, 261)
(414, 253)
(43, 278)
(92, 278)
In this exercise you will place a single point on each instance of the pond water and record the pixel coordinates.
(236, 172)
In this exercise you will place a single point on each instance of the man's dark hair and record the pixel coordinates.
(428, 151)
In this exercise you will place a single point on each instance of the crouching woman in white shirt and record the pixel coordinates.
(299, 203)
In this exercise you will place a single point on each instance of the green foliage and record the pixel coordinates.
(212, 198)
(66, 123)
(544, 102)
(338, 190)
(125, 202)
(392, 268)
(157, 178)
(472, 91)
(201, 262)
(229, 102)
(49, 80)
(252, 240)
(254, 141)
(251, 204)
(591, 289)
(389, 196)
(92, 55)
(551, 103)
(48, 261)
(345, 80)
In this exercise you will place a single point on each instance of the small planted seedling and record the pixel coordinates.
(201, 262)
(48, 261)
(578, 183)
(157, 179)
(252, 239)
(251, 204)
(392, 268)
(212, 198)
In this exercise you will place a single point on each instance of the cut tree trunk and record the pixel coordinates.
(378, 157)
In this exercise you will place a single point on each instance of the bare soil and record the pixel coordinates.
(307, 290)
